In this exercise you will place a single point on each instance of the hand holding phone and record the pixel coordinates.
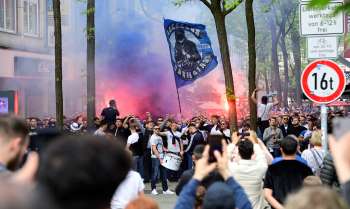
(215, 143)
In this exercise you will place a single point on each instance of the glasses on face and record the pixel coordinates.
(285, 118)
(156, 129)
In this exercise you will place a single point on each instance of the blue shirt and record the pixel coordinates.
(298, 158)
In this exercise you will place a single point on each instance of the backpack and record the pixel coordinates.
(317, 172)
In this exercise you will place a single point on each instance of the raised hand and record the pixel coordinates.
(203, 167)
(222, 161)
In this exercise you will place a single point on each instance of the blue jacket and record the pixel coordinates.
(187, 197)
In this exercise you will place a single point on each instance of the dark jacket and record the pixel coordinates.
(296, 131)
(122, 134)
(328, 173)
(147, 135)
(346, 192)
(284, 132)
(184, 179)
(197, 139)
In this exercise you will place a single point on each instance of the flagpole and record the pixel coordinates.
(178, 99)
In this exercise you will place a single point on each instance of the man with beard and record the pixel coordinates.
(272, 137)
(285, 126)
(213, 127)
(33, 126)
(296, 128)
(14, 141)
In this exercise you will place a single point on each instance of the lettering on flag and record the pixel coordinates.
(190, 49)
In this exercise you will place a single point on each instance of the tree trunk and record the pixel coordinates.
(249, 13)
(295, 37)
(267, 86)
(274, 58)
(226, 64)
(90, 65)
(58, 64)
(285, 64)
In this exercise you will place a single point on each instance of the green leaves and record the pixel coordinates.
(320, 4)
(179, 2)
(232, 4)
(90, 33)
(88, 11)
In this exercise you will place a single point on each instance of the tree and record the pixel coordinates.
(252, 60)
(58, 63)
(295, 39)
(90, 65)
(275, 36)
(288, 12)
(220, 9)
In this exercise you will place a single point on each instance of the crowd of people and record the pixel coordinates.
(279, 165)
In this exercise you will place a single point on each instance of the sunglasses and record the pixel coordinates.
(156, 128)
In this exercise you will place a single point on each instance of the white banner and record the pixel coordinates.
(321, 21)
(322, 47)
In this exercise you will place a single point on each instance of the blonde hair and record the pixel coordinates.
(142, 202)
(316, 138)
(312, 181)
(315, 197)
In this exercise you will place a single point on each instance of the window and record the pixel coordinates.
(8, 15)
(31, 17)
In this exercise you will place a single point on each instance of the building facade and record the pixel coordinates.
(27, 60)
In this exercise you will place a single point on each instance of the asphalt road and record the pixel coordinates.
(164, 201)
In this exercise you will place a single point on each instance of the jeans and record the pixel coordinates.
(147, 164)
(189, 161)
(158, 169)
(138, 165)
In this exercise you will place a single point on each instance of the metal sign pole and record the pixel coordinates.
(324, 117)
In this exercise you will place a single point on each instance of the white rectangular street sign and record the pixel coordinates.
(322, 47)
(321, 21)
(329, 1)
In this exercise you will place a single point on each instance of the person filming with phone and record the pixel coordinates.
(226, 195)
(272, 137)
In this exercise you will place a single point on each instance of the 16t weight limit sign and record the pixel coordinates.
(323, 81)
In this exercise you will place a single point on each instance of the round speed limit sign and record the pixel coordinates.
(323, 81)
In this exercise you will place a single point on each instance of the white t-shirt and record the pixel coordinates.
(128, 190)
(214, 131)
(158, 142)
(226, 132)
(133, 138)
(173, 147)
(99, 132)
(264, 111)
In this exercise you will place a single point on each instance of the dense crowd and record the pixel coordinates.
(279, 165)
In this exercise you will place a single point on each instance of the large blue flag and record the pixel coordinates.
(190, 49)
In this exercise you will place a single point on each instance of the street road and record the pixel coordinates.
(164, 201)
